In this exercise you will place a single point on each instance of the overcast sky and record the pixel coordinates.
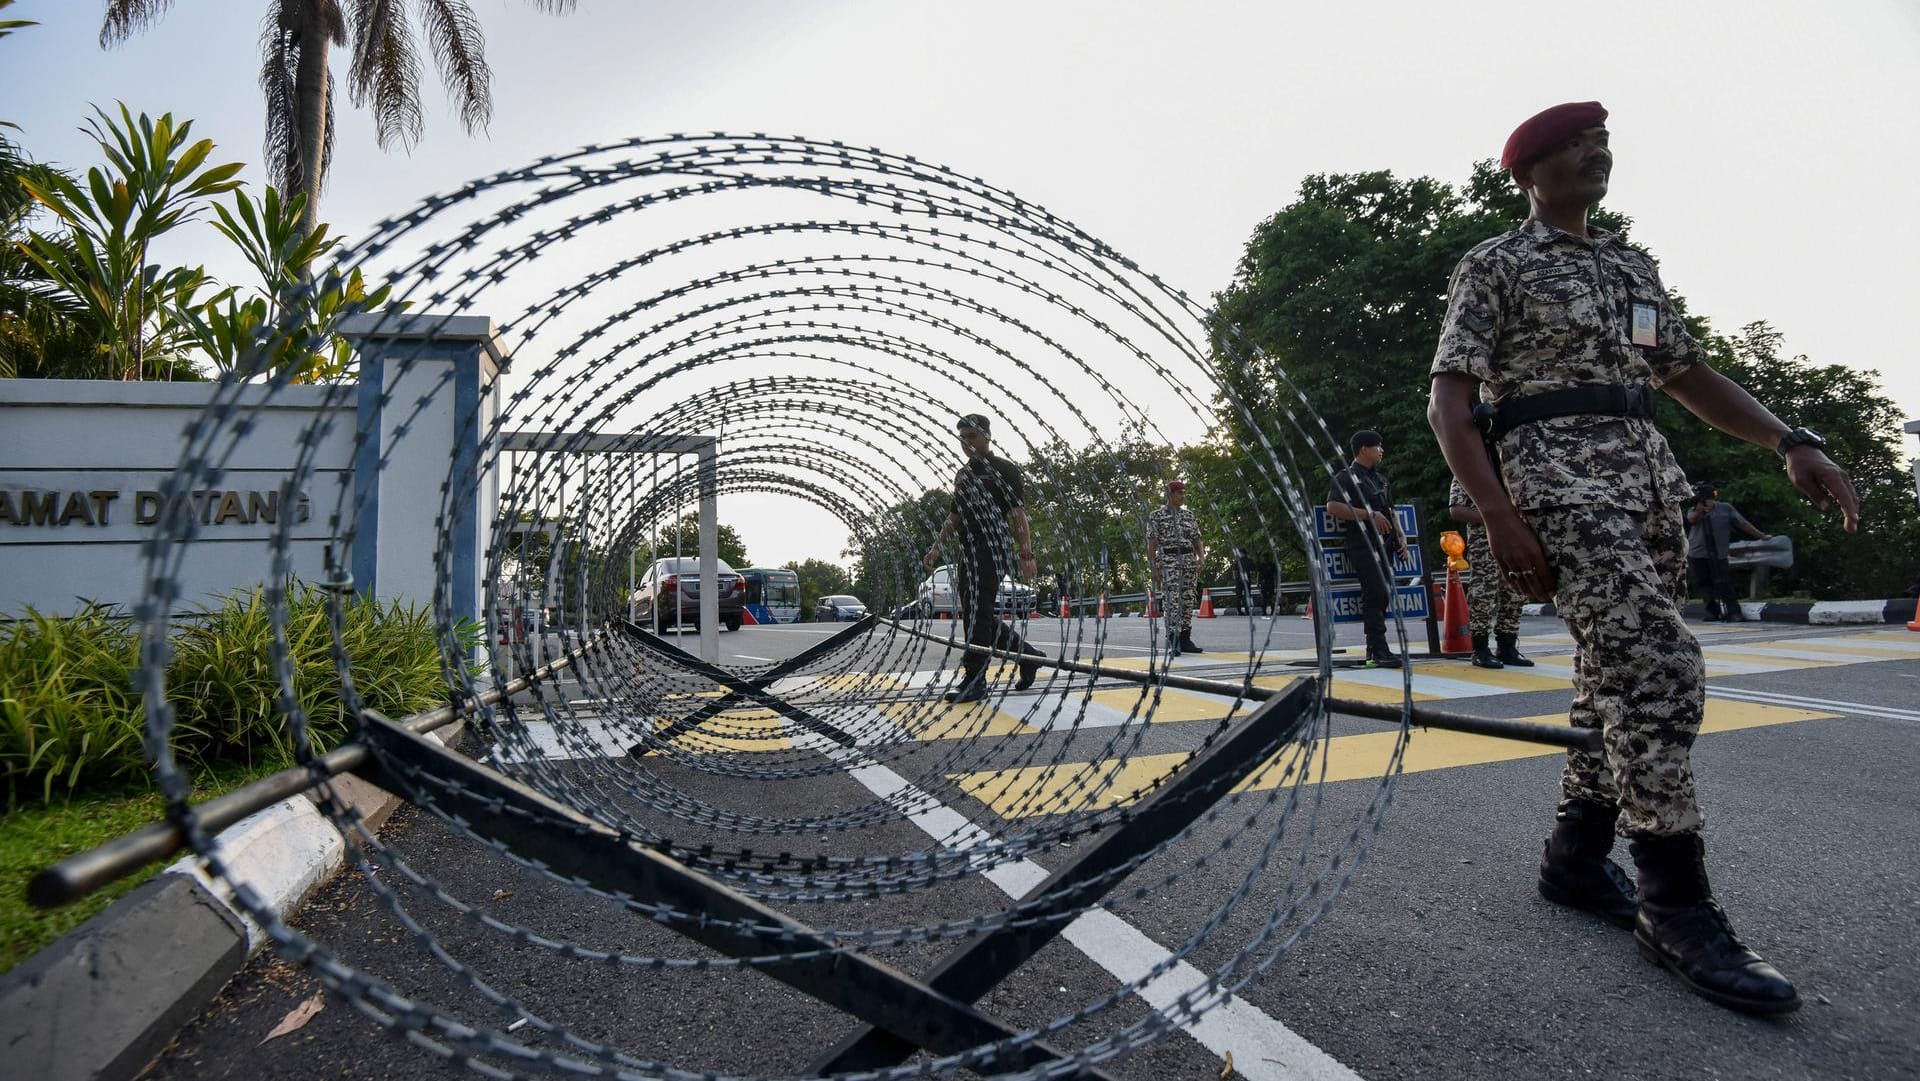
(1757, 143)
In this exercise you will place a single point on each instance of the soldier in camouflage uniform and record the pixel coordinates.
(1493, 605)
(1563, 328)
(1174, 551)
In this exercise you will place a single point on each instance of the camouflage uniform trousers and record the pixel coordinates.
(1638, 677)
(1179, 580)
(1492, 604)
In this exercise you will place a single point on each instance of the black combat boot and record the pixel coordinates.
(1482, 656)
(1510, 651)
(1682, 929)
(1576, 870)
(1380, 655)
(1028, 671)
(1187, 645)
(972, 688)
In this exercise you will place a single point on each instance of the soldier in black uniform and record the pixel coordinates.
(1564, 330)
(990, 515)
(1361, 501)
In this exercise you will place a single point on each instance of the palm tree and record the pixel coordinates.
(383, 73)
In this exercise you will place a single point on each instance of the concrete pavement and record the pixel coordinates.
(1437, 961)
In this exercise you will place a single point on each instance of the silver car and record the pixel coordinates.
(937, 597)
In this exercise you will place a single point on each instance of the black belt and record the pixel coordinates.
(1590, 400)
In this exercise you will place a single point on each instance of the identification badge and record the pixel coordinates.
(1646, 324)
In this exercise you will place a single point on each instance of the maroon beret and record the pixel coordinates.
(1543, 131)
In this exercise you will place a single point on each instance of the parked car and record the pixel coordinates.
(838, 608)
(937, 598)
(669, 595)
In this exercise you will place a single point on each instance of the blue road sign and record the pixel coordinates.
(1411, 600)
(1340, 568)
(1325, 528)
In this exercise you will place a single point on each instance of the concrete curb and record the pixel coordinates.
(1825, 613)
(101, 1002)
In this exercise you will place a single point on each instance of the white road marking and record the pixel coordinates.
(1859, 708)
(1263, 1048)
(751, 657)
(1858, 641)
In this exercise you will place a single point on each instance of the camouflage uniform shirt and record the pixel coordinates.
(1539, 309)
(1173, 527)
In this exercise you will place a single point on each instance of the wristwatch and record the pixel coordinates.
(1799, 437)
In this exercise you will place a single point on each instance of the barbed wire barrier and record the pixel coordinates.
(824, 313)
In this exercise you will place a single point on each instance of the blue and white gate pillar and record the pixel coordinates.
(428, 394)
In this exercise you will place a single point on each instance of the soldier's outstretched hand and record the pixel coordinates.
(1522, 561)
(1821, 479)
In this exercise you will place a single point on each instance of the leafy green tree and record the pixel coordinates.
(1863, 430)
(383, 73)
(1343, 291)
(819, 578)
(155, 181)
(42, 332)
(686, 534)
(287, 330)
(886, 562)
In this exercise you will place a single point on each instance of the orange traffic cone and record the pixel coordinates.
(746, 616)
(1102, 614)
(1914, 623)
(1308, 614)
(1153, 605)
(1454, 637)
(1206, 606)
(1066, 610)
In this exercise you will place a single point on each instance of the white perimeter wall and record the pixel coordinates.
(109, 441)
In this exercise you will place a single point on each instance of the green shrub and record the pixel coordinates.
(225, 695)
(68, 712)
(69, 716)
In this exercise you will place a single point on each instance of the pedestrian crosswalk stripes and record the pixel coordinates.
(918, 715)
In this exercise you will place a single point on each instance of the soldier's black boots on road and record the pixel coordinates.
(1482, 656)
(970, 689)
(1576, 870)
(1187, 646)
(1510, 654)
(1028, 670)
(1682, 929)
(1379, 655)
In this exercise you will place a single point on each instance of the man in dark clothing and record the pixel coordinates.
(1362, 503)
(1268, 570)
(990, 515)
(1710, 526)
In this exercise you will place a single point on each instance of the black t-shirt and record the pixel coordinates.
(985, 492)
(1360, 486)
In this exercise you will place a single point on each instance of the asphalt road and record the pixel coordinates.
(1436, 960)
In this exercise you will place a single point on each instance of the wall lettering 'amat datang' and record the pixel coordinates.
(101, 507)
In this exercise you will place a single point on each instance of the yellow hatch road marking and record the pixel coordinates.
(736, 731)
(942, 720)
(1172, 706)
(1513, 679)
(855, 681)
(1035, 790)
(1733, 653)
(1909, 638)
